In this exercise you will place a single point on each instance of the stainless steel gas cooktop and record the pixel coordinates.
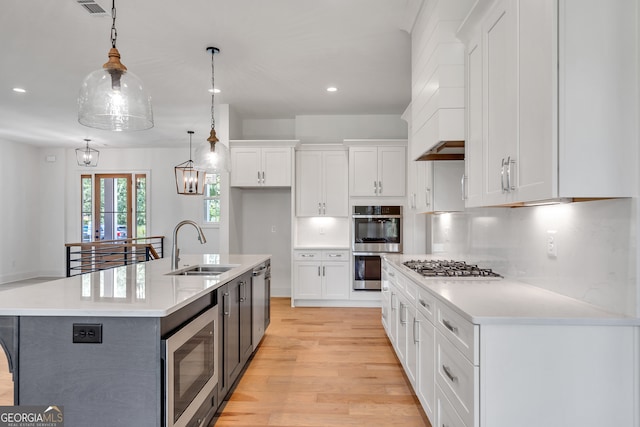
(446, 268)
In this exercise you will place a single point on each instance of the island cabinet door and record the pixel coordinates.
(97, 384)
(236, 345)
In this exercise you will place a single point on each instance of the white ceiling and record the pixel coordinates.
(277, 58)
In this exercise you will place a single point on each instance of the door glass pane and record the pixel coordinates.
(141, 206)
(86, 209)
(113, 208)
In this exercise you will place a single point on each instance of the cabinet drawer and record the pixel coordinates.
(457, 378)
(337, 255)
(447, 416)
(307, 255)
(462, 333)
(426, 304)
(410, 288)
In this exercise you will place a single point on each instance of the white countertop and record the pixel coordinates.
(505, 301)
(137, 290)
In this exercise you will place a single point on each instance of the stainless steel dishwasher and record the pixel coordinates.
(260, 285)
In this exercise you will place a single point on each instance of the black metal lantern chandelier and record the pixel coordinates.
(189, 179)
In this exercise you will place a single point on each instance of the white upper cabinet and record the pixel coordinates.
(440, 186)
(261, 163)
(322, 183)
(377, 170)
(552, 100)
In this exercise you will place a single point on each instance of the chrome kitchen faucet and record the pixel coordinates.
(175, 252)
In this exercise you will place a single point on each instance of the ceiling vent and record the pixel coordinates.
(92, 7)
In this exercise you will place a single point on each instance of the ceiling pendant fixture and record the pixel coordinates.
(189, 179)
(113, 98)
(86, 156)
(215, 156)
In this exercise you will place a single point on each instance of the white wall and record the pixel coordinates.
(596, 245)
(24, 206)
(332, 129)
(265, 222)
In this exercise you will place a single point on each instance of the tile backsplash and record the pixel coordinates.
(595, 243)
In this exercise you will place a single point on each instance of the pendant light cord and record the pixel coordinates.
(213, 90)
(114, 32)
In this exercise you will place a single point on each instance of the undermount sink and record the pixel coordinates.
(202, 270)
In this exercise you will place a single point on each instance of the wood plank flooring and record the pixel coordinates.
(315, 367)
(323, 367)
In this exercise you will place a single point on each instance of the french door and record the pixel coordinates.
(113, 208)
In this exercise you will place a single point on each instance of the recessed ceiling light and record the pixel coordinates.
(19, 90)
(216, 90)
(332, 89)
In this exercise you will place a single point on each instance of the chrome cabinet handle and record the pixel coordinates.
(375, 187)
(307, 255)
(449, 326)
(324, 271)
(225, 304)
(416, 335)
(424, 304)
(318, 270)
(324, 208)
(319, 208)
(393, 306)
(403, 310)
(427, 195)
(258, 177)
(379, 187)
(334, 255)
(502, 173)
(242, 291)
(392, 274)
(263, 177)
(510, 186)
(449, 375)
(462, 182)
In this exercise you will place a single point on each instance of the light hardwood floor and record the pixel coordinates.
(323, 367)
(315, 367)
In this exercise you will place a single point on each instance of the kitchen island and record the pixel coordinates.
(500, 353)
(94, 343)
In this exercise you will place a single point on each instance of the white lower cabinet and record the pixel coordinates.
(447, 416)
(425, 387)
(508, 374)
(457, 377)
(321, 274)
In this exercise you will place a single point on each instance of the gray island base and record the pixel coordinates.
(95, 344)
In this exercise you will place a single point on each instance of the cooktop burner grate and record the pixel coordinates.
(446, 268)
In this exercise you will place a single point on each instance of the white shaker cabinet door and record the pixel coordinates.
(276, 167)
(245, 167)
(392, 176)
(363, 171)
(336, 184)
(309, 183)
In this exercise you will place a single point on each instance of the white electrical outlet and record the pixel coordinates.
(273, 228)
(552, 244)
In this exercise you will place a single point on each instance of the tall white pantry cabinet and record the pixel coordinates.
(552, 100)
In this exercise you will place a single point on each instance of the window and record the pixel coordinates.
(212, 198)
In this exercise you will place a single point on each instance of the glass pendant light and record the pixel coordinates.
(189, 179)
(213, 157)
(113, 98)
(86, 156)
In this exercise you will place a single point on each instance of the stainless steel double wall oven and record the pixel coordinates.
(376, 230)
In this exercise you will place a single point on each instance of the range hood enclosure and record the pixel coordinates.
(444, 150)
